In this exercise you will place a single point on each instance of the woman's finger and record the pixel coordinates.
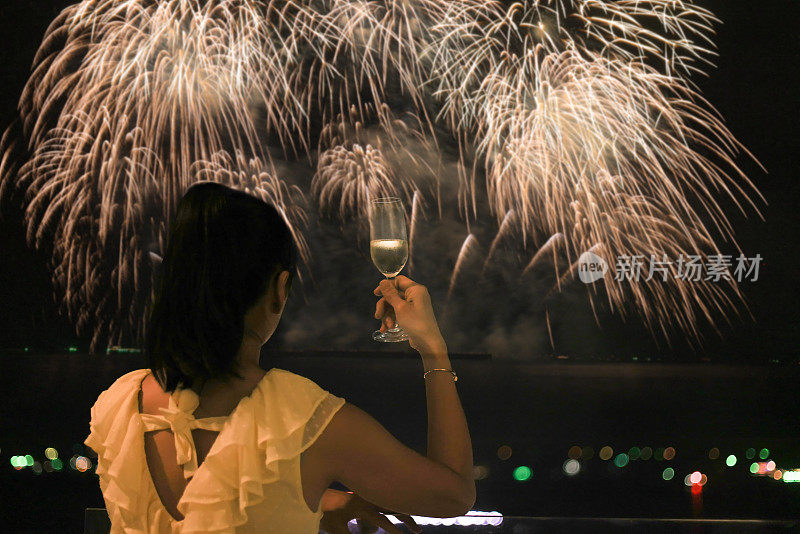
(390, 293)
(403, 282)
(382, 521)
(365, 527)
(380, 308)
(408, 521)
(405, 518)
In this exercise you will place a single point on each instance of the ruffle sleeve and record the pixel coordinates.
(116, 436)
(283, 416)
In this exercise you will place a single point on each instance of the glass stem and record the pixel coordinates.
(396, 327)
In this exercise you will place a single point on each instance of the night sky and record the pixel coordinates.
(752, 87)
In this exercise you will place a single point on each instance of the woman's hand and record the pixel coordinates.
(340, 507)
(408, 303)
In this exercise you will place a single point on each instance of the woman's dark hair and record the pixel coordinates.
(225, 248)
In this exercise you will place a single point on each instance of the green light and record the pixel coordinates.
(14, 461)
(754, 468)
(659, 454)
(57, 465)
(634, 453)
(668, 473)
(73, 349)
(750, 453)
(621, 460)
(522, 473)
(27, 349)
(29, 460)
(763, 453)
(730, 461)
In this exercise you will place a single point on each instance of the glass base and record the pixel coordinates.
(393, 335)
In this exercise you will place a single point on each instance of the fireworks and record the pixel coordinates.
(581, 135)
(351, 178)
(580, 114)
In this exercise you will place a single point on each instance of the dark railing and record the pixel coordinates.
(97, 522)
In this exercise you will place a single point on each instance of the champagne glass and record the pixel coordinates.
(388, 246)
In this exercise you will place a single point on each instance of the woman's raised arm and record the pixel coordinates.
(359, 452)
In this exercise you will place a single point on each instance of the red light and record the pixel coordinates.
(697, 489)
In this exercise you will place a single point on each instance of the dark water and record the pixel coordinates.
(539, 410)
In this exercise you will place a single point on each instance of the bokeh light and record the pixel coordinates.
(647, 453)
(82, 464)
(771, 466)
(730, 461)
(504, 452)
(754, 467)
(668, 473)
(634, 453)
(480, 472)
(575, 452)
(695, 477)
(713, 454)
(763, 453)
(522, 473)
(621, 460)
(659, 454)
(37, 468)
(29, 460)
(57, 464)
(669, 453)
(51, 453)
(791, 476)
(750, 453)
(777, 475)
(606, 453)
(571, 467)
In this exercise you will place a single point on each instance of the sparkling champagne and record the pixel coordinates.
(389, 255)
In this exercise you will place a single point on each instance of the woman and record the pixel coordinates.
(204, 440)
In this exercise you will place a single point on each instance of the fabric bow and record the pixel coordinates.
(179, 419)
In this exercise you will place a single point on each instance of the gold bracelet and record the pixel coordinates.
(455, 376)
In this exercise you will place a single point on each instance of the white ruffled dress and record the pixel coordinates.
(248, 482)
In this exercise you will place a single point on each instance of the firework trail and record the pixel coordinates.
(580, 115)
(551, 246)
(505, 226)
(417, 211)
(469, 248)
